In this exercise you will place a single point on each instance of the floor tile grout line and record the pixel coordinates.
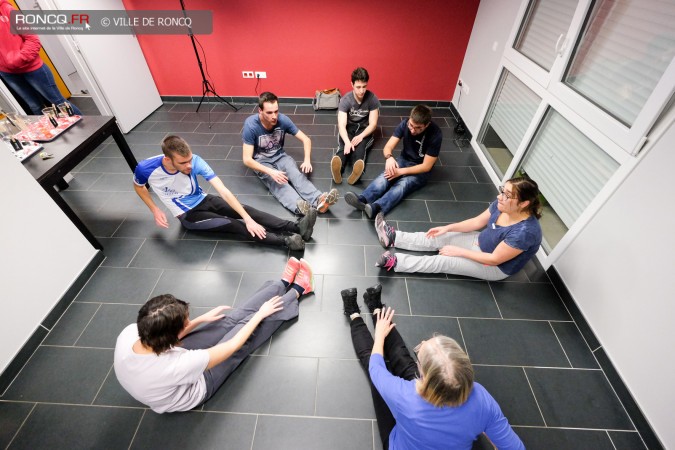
(85, 327)
(23, 422)
(534, 396)
(561, 345)
(128, 266)
(316, 386)
(98, 391)
(494, 298)
(255, 429)
(461, 333)
(138, 427)
(610, 439)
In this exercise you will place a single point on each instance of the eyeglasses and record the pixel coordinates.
(505, 194)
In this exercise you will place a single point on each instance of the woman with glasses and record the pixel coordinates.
(510, 237)
(431, 404)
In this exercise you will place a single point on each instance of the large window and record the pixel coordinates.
(570, 170)
(581, 86)
(511, 112)
(544, 29)
(625, 50)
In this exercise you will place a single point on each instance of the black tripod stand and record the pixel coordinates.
(207, 88)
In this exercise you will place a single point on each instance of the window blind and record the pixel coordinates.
(569, 168)
(623, 54)
(513, 111)
(547, 20)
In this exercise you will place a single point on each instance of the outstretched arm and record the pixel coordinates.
(382, 328)
(502, 253)
(253, 227)
(158, 214)
(306, 165)
(221, 352)
(211, 316)
(474, 224)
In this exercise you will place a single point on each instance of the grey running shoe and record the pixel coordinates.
(349, 302)
(357, 171)
(385, 232)
(354, 201)
(294, 242)
(386, 261)
(327, 199)
(306, 224)
(336, 169)
(303, 206)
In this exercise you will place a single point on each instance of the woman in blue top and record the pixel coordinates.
(433, 404)
(511, 236)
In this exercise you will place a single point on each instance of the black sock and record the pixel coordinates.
(298, 289)
(286, 283)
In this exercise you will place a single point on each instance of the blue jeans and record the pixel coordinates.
(387, 194)
(35, 86)
(298, 185)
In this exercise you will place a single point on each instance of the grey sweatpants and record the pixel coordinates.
(442, 264)
(224, 329)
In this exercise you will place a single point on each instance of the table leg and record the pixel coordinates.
(124, 147)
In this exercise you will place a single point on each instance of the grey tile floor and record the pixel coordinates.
(304, 389)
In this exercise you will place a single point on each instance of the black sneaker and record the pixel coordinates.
(373, 298)
(352, 200)
(294, 242)
(349, 301)
(306, 224)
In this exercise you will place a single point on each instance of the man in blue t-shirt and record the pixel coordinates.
(263, 136)
(173, 177)
(357, 120)
(421, 145)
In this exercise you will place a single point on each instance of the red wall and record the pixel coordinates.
(412, 50)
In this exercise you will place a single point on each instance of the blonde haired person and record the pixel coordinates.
(435, 404)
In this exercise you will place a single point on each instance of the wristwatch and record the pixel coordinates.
(388, 156)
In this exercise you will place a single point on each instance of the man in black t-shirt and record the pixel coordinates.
(421, 145)
(357, 120)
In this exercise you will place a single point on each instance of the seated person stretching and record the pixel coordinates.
(173, 177)
(164, 363)
(263, 135)
(432, 404)
(409, 172)
(510, 238)
(357, 120)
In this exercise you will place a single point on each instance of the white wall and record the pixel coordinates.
(42, 255)
(619, 269)
(480, 69)
(620, 272)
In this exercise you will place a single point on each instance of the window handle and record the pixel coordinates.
(560, 44)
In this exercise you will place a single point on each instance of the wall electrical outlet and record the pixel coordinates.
(247, 73)
(261, 74)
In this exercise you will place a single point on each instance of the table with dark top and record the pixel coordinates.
(69, 149)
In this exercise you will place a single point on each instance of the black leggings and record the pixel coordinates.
(400, 363)
(359, 151)
(214, 214)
